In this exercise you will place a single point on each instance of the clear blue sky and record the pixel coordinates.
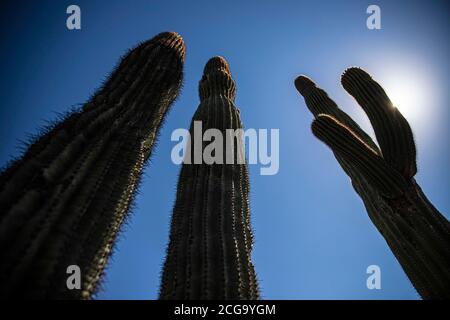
(313, 236)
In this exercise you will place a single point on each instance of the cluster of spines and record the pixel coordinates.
(64, 201)
(209, 252)
(418, 235)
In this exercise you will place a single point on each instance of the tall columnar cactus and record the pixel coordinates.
(209, 253)
(418, 235)
(63, 202)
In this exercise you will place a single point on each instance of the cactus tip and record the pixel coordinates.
(350, 74)
(172, 40)
(302, 82)
(217, 63)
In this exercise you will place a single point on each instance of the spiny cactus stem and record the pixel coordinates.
(208, 256)
(64, 201)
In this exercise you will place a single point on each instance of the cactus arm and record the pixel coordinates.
(416, 232)
(348, 145)
(319, 103)
(391, 129)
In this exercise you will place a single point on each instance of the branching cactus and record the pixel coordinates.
(209, 252)
(63, 202)
(418, 235)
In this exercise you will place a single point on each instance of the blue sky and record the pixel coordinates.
(314, 239)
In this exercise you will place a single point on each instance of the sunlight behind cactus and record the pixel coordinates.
(416, 232)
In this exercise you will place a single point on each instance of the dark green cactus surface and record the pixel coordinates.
(418, 235)
(209, 252)
(63, 202)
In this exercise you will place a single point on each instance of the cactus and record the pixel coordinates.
(209, 252)
(63, 202)
(416, 232)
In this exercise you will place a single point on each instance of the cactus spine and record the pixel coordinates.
(209, 252)
(63, 202)
(416, 232)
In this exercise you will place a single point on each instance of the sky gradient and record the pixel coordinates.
(313, 238)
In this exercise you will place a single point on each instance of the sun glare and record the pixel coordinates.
(412, 92)
(407, 94)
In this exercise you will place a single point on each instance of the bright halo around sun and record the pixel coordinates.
(407, 94)
(411, 91)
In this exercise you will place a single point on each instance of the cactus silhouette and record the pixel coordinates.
(209, 252)
(417, 234)
(63, 202)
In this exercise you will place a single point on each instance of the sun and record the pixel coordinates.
(412, 92)
(407, 95)
(411, 86)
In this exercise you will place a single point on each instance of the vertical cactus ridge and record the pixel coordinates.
(416, 232)
(209, 251)
(63, 202)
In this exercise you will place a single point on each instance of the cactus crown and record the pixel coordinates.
(172, 41)
(217, 80)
